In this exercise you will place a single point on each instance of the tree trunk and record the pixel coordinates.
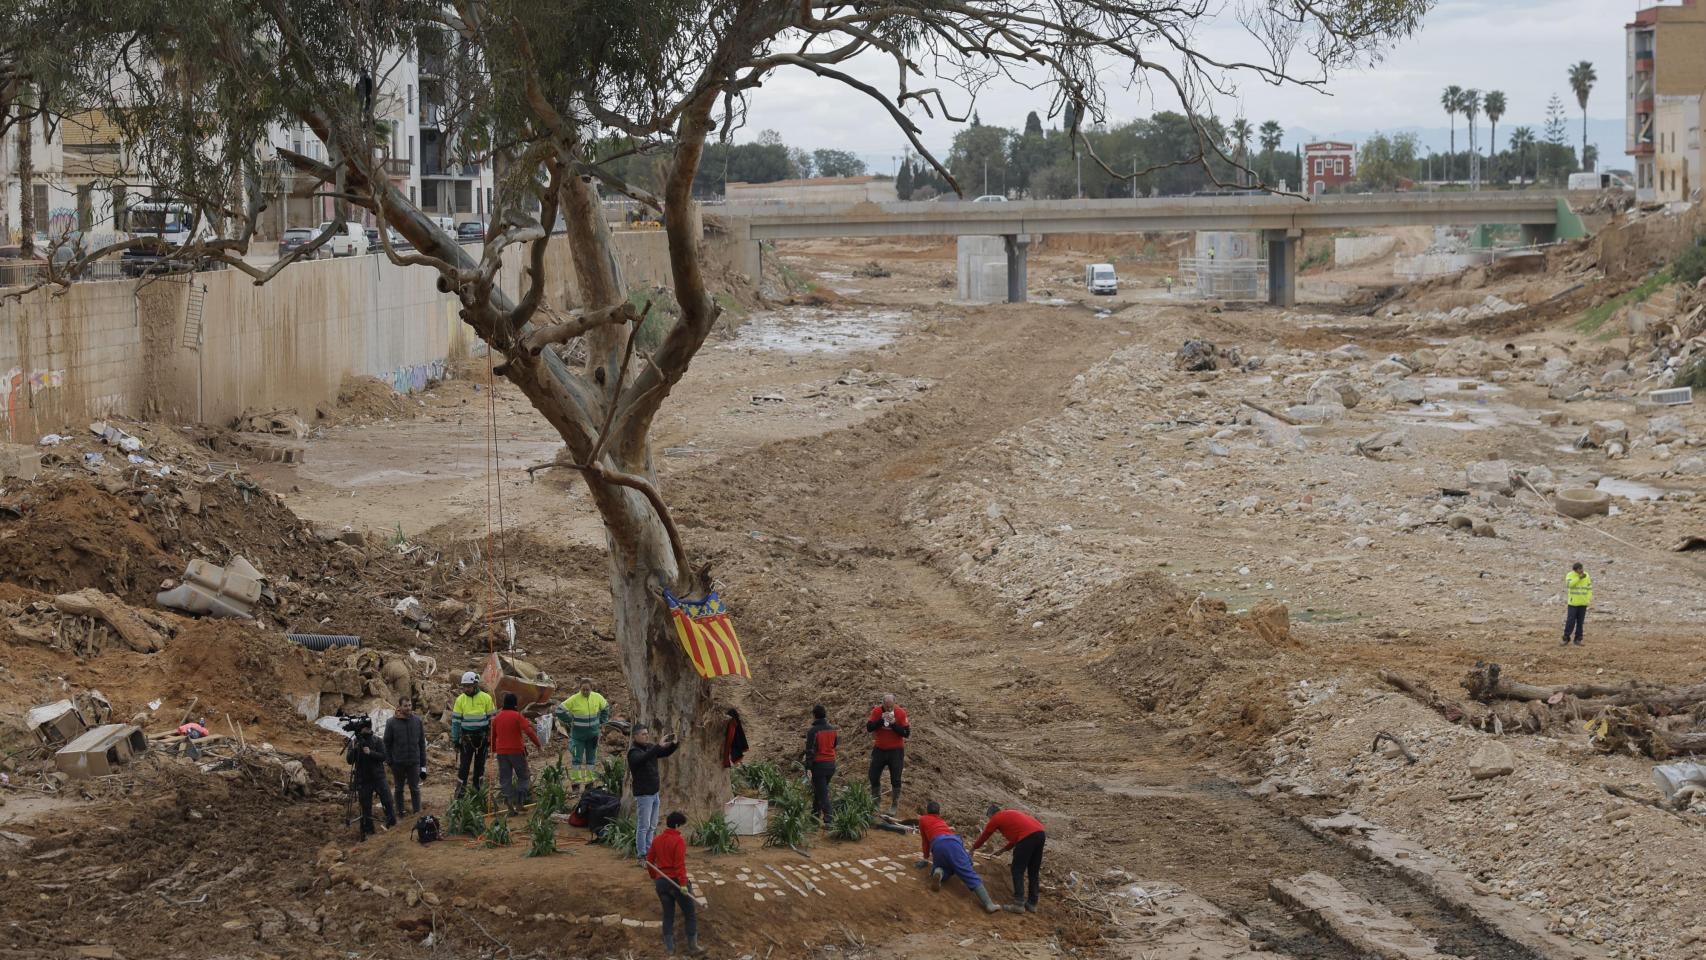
(26, 185)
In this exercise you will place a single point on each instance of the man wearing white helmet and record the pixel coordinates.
(470, 729)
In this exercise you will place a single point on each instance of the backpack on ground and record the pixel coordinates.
(426, 829)
(597, 808)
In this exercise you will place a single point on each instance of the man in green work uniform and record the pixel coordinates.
(470, 731)
(1579, 588)
(584, 714)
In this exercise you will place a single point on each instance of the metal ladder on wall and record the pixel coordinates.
(193, 313)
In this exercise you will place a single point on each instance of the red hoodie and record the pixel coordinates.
(892, 737)
(930, 827)
(668, 857)
(1014, 826)
(507, 730)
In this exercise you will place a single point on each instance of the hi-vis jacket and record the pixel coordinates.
(471, 714)
(1580, 588)
(586, 714)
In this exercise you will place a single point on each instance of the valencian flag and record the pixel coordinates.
(708, 636)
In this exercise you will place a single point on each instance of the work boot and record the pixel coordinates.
(983, 898)
(1017, 906)
(1031, 907)
(693, 947)
(936, 878)
(894, 803)
(669, 944)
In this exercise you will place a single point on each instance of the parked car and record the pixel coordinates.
(351, 242)
(471, 231)
(296, 238)
(991, 198)
(397, 242)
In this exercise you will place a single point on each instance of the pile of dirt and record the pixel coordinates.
(370, 398)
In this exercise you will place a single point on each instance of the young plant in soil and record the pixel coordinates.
(497, 832)
(854, 810)
(716, 834)
(620, 836)
(611, 772)
(549, 794)
(790, 817)
(542, 835)
(467, 814)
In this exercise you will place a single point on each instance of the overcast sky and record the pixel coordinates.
(1522, 47)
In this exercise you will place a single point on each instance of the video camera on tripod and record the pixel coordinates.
(355, 724)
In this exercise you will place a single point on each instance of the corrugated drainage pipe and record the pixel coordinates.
(324, 641)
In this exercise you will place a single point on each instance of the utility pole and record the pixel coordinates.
(1134, 178)
(1080, 157)
(986, 176)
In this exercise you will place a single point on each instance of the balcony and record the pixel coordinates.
(395, 167)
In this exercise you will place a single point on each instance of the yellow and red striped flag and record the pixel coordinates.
(708, 636)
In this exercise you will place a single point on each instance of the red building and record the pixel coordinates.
(1328, 164)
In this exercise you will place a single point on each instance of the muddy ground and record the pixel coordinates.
(1020, 518)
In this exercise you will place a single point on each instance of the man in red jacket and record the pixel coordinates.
(508, 729)
(819, 757)
(945, 854)
(1025, 837)
(666, 864)
(889, 730)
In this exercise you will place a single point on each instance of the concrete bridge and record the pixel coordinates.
(1543, 216)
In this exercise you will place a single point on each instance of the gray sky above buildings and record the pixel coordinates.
(1522, 47)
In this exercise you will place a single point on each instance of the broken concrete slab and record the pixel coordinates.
(99, 751)
(228, 591)
(1492, 759)
(1351, 918)
(1491, 476)
(19, 461)
(1316, 412)
(1404, 391)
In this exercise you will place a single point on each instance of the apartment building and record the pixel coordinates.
(410, 106)
(1328, 164)
(1666, 54)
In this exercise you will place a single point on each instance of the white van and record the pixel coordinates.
(1598, 181)
(1099, 278)
(351, 242)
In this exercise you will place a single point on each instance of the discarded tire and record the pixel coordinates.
(1581, 502)
(324, 641)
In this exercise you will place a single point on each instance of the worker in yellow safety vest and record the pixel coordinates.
(1579, 588)
(584, 713)
(470, 731)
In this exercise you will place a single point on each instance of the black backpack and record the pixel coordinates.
(426, 829)
(597, 808)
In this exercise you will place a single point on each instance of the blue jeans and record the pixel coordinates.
(948, 854)
(645, 823)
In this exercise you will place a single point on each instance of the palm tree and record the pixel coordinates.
(1241, 133)
(1470, 107)
(1582, 79)
(1494, 104)
(1522, 140)
(1270, 137)
(1451, 99)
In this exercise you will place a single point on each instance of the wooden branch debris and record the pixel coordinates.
(127, 623)
(1282, 418)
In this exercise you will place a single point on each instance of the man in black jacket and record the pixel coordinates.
(643, 759)
(405, 749)
(367, 755)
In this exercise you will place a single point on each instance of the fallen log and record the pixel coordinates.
(1634, 730)
(129, 626)
(1426, 696)
(1486, 683)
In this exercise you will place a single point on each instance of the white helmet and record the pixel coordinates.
(469, 677)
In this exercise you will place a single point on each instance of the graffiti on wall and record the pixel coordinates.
(18, 388)
(416, 376)
(61, 221)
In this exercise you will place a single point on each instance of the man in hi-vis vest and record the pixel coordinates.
(1578, 587)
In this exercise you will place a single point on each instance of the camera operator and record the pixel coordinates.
(366, 755)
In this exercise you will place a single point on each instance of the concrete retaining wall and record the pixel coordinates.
(1425, 265)
(118, 347)
(1353, 250)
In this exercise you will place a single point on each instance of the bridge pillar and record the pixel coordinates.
(1534, 234)
(1282, 266)
(1018, 252)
